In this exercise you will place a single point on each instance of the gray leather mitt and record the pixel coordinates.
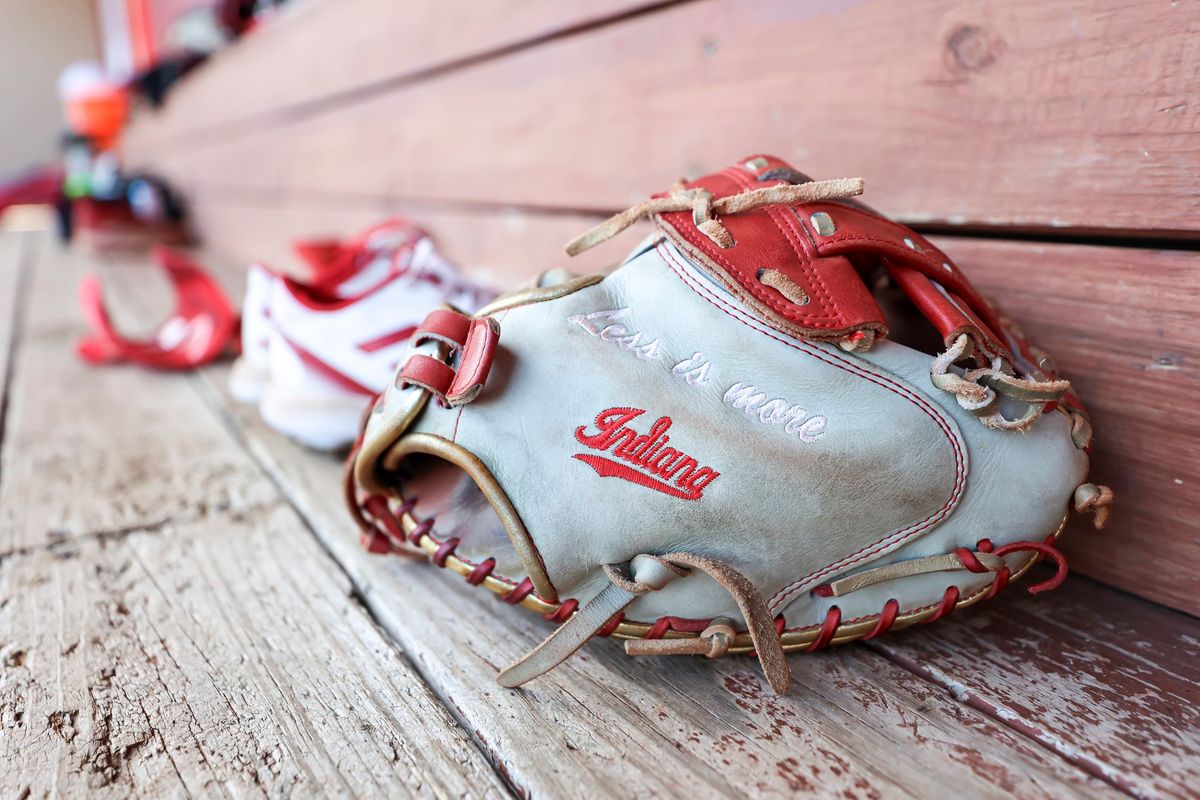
(783, 422)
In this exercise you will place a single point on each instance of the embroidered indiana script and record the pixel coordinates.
(647, 459)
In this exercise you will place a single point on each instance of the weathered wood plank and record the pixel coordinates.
(153, 643)
(353, 46)
(1120, 321)
(620, 726)
(1110, 681)
(162, 458)
(216, 658)
(1069, 114)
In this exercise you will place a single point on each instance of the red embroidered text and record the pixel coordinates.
(646, 458)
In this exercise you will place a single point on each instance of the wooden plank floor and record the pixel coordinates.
(185, 610)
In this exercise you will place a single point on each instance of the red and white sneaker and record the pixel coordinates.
(315, 353)
(329, 262)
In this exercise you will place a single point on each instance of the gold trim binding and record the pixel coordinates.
(386, 448)
(375, 447)
(793, 641)
(469, 463)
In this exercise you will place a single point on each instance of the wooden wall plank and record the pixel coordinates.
(1048, 115)
(501, 248)
(1120, 321)
(852, 724)
(200, 654)
(339, 46)
(1121, 324)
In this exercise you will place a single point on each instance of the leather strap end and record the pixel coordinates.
(475, 362)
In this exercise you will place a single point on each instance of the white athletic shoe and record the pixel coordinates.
(330, 347)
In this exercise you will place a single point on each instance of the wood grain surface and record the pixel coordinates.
(1119, 321)
(185, 609)
(1109, 681)
(167, 462)
(161, 636)
(335, 52)
(1042, 115)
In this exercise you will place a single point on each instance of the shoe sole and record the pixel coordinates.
(324, 423)
(248, 382)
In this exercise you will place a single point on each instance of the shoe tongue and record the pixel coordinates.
(373, 269)
(329, 262)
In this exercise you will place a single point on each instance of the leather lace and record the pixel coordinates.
(703, 207)
(645, 574)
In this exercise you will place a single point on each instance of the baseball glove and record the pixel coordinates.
(783, 422)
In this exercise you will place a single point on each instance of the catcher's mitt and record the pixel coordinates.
(727, 445)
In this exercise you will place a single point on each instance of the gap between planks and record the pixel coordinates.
(314, 199)
(14, 283)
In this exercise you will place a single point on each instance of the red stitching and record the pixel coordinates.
(444, 550)
(829, 626)
(969, 560)
(949, 601)
(998, 583)
(422, 529)
(762, 296)
(377, 506)
(481, 571)
(563, 612)
(375, 541)
(887, 618)
(518, 593)
(902, 391)
(607, 628)
(659, 628)
(1042, 550)
(808, 265)
(826, 298)
(686, 624)
(768, 298)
